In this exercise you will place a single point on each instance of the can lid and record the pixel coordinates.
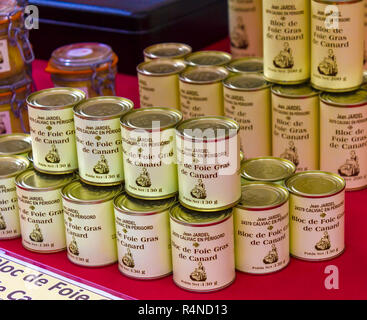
(246, 65)
(299, 91)
(167, 50)
(130, 205)
(10, 166)
(189, 217)
(208, 58)
(246, 82)
(161, 67)
(105, 107)
(55, 98)
(81, 56)
(315, 184)
(208, 128)
(30, 156)
(16, 143)
(143, 118)
(37, 181)
(79, 192)
(354, 98)
(204, 75)
(269, 169)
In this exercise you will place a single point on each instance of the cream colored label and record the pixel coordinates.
(150, 162)
(245, 28)
(144, 244)
(286, 40)
(9, 215)
(203, 258)
(90, 233)
(41, 220)
(296, 131)
(199, 100)
(99, 150)
(316, 227)
(252, 112)
(161, 91)
(4, 56)
(261, 239)
(343, 133)
(209, 173)
(337, 46)
(53, 139)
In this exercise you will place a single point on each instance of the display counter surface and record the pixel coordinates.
(300, 280)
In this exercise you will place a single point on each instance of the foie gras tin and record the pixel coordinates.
(15, 144)
(171, 50)
(246, 65)
(208, 58)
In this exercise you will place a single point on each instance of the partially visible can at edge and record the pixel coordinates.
(201, 91)
(261, 228)
(159, 84)
(208, 58)
(89, 223)
(171, 50)
(51, 123)
(15, 144)
(247, 100)
(202, 249)
(295, 125)
(98, 139)
(246, 65)
(143, 237)
(40, 210)
(343, 136)
(316, 208)
(10, 167)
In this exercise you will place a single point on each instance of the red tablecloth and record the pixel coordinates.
(300, 280)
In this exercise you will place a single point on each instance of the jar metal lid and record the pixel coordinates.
(102, 108)
(172, 50)
(299, 91)
(81, 193)
(347, 99)
(192, 218)
(144, 118)
(262, 196)
(55, 98)
(246, 65)
(204, 75)
(208, 128)
(246, 82)
(267, 169)
(10, 166)
(315, 184)
(15, 143)
(208, 58)
(161, 67)
(129, 205)
(33, 180)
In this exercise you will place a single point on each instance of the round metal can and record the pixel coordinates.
(51, 121)
(295, 125)
(15, 144)
(343, 136)
(89, 223)
(208, 58)
(247, 100)
(267, 169)
(261, 228)
(40, 210)
(316, 209)
(202, 249)
(201, 91)
(159, 84)
(148, 144)
(30, 158)
(143, 237)
(10, 167)
(171, 50)
(246, 65)
(286, 41)
(245, 27)
(98, 139)
(208, 163)
(337, 36)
